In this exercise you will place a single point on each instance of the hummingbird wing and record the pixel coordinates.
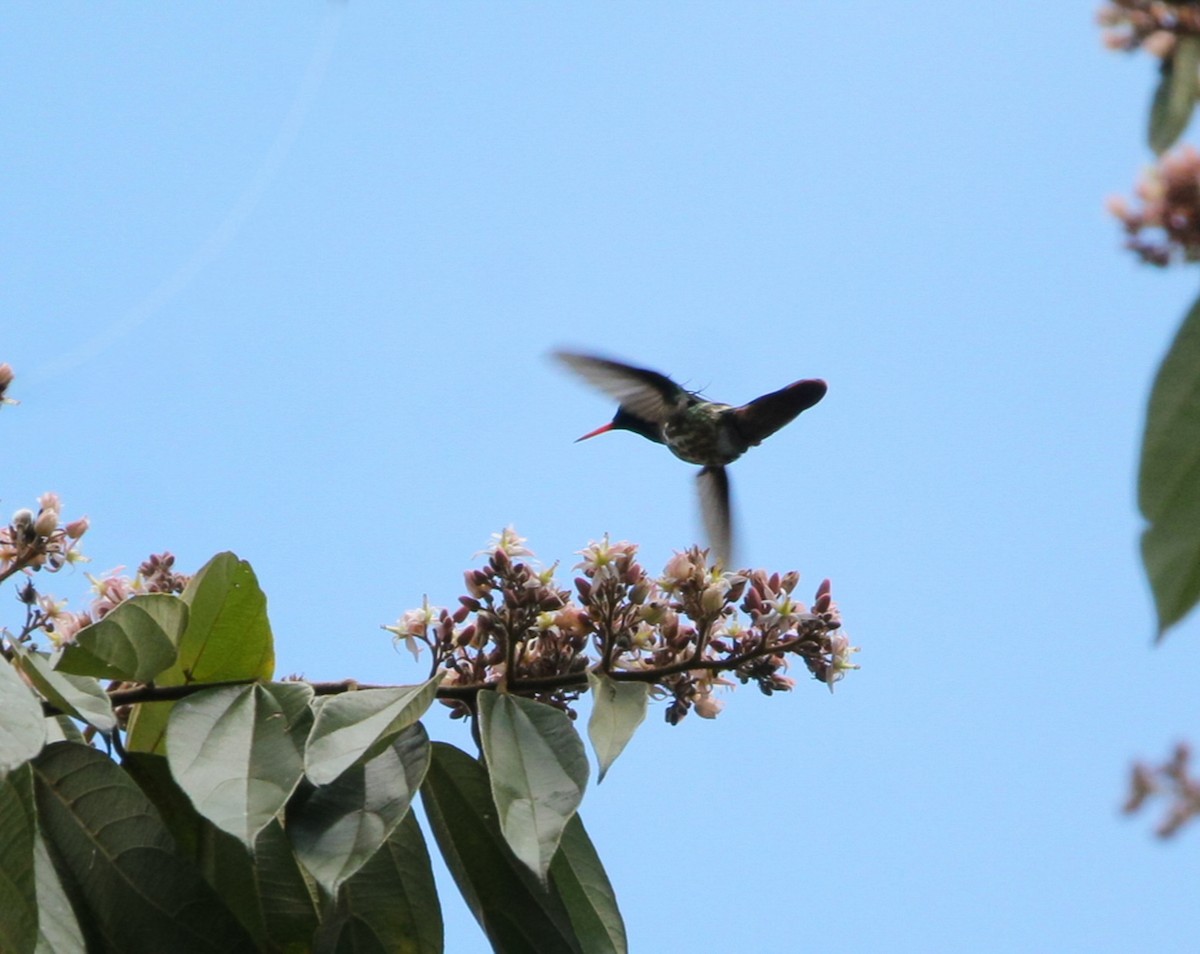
(763, 416)
(713, 484)
(643, 393)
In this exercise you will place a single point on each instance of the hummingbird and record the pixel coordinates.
(693, 429)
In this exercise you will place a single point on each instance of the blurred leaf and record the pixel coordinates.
(591, 903)
(1169, 479)
(390, 904)
(62, 729)
(22, 725)
(106, 839)
(135, 642)
(618, 708)
(516, 911)
(355, 724)
(231, 750)
(1175, 97)
(79, 696)
(228, 637)
(538, 770)
(58, 929)
(18, 885)
(337, 827)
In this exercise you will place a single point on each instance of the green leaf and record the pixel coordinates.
(135, 642)
(336, 828)
(1175, 97)
(618, 708)
(538, 770)
(287, 898)
(1169, 478)
(228, 634)
(354, 725)
(232, 750)
(591, 903)
(117, 860)
(516, 911)
(63, 729)
(153, 776)
(22, 725)
(58, 928)
(391, 904)
(228, 637)
(81, 697)
(18, 890)
(266, 891)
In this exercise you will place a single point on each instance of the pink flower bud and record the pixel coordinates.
(77, 528)
(571, 621)
(679, 568)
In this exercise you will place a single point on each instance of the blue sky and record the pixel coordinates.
(282, 279)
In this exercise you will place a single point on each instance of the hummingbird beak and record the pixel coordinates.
(599, 430)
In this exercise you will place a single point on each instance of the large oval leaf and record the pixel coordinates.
(337, 827)
(354, 725)
(265, 889)
(22, 726)
(618, 708)
(18, 884)
(135, 642)
(515, 910)
(134, 893)
(233, 752)
(1169, 478)
(228, 637)
(81, 697)
(228, 634)
(58, 928)
(391, 904)
(538, 769)
(581, 882)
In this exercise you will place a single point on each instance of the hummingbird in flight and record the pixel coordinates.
(693, 429)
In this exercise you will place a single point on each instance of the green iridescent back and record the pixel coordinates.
(701, 434)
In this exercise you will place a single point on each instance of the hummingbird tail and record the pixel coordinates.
(713, 484)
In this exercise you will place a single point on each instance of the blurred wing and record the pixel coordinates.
(713, 484)
(646, 394)
(763, 416)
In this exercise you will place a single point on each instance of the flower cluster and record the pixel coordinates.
(1172, 780)
(6, 378)
(41, 541)
(1146, 24)
(1170, 208)
(686, 632)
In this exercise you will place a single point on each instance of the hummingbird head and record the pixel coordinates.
(625, 420)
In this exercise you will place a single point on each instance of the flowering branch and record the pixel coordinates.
(1153, 24)
(516, 628)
